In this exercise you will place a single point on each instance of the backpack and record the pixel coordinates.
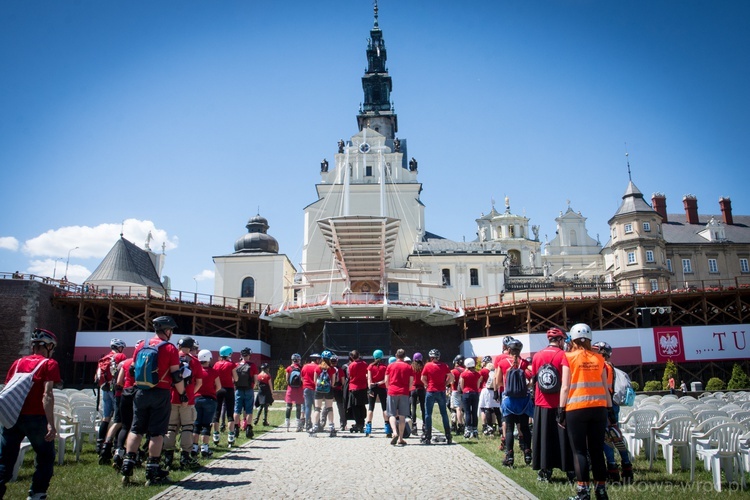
(295, 377)
(105, 371)
(324, 382)
(515, 383)
(146, 365)
(187, 374)
(13, 395)
(490, 384)
(548, 377)
(624, 394)
(243, 376)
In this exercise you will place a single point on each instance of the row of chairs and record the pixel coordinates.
(711, 429)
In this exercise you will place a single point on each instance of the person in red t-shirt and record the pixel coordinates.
(308, 388)
(469, 384)
(323, 395)
(436, 376)
(418, 392)
(151, 407)
(516, 409)
(294, 395)
(399, 378)
(549, 442)
(456, 398)
(376, 390)
(357, 400)
(36, 421)
(489, 407)
(103, 377)
(183, 416)
(265, 394)
(205, 404)
(225, 396)
(126, 383)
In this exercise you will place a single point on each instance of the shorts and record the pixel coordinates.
(380, 392)
(243, 400)
(205, 408)
(224, 399)
(399, 406)
(456, 399)
(323, 395)
(116, 419)
(151, 410)
(487, 399)
(108, 403)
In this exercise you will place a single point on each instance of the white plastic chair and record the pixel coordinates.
(636, 428)
(86, 418)
(671, 434)
(25, 446)
(738, 415)
(65, 430)
(706, 414)
(674, 411)
(724, 452)
(698, 439)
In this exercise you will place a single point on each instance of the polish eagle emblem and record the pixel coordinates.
(669, 344)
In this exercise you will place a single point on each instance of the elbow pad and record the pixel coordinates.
(176, 377)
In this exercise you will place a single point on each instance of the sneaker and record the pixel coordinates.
(449, 438)
(582, 493)
(527, 457)
(508, 461)
(425, 440)
(368, 428)
(601, 493)
(474, 433)
(544, 476)
(156, 475)
(128, 464)
(207, 454)
(216, 437)
(187, 462)
(266, 424)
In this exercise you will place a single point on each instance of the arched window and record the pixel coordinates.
(248, 287)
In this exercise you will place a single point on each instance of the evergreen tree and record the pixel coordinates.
(739, 379)
(279, 383)
(715, 384)
(669, 370)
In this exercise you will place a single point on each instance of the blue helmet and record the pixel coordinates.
(377, 354)
(392, 359)
(225, 351)
(326, 354)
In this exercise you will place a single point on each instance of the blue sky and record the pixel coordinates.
(185, 118)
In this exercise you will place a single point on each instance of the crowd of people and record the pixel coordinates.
(183, 401)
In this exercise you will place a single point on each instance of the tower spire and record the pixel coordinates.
(627, 159)
(376, 112)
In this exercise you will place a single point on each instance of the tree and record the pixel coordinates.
(279, 383)
(635, 385)
(669, 371)
(739, 379)
(715, 384)
(652, 385)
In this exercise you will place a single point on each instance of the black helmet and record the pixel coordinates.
(458, 360)
(188, 342)
(604, 348)
(264, 366)
(486, 359)
(41, 336)
(515, 345)
(507, 340)
(246, 351)
(434, 353)
(164, 322)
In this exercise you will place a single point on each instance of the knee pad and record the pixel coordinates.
(187, 428)
(171, 429)
(317, 408)
(205, 431)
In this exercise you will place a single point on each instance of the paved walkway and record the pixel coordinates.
(282, 464)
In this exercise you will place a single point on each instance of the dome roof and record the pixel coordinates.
(256, 239)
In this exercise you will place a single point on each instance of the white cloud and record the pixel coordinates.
(55, 268)
(9, 243)
(204, 275)
(96, 241)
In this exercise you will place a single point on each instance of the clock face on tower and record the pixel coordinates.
(364, 147)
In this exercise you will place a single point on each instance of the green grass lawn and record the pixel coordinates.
(649, 483)
(87, 479)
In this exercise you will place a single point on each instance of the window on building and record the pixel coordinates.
(647, 227)
(634, 287)
(628, 228)
(744, 266)
(669, 265)
(631, 258)
(573, 238)
(392, 291)
(446, 277)
(474, 277)
(654, 285)
(248, 287)
(368, 171)
(713, 266)
(617, 261)
(649, 256)
(687, 266)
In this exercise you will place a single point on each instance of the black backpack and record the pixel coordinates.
(548, 377)
(295, 377)
(515, 383)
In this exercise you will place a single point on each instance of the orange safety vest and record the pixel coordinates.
(586, 388)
